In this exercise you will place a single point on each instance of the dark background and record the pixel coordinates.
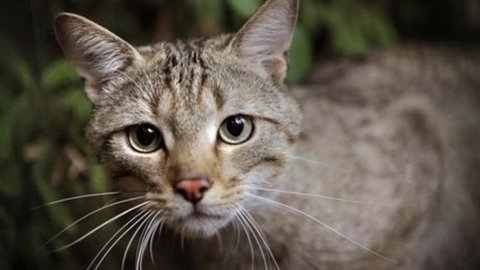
(43, 154)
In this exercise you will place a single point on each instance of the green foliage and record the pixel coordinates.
(301, 55)
(60, 73)
(356, 27)
(244, 8)
(44, 157)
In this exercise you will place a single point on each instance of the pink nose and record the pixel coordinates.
(192, 189)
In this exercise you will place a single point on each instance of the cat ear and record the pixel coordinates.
(265, 39)
(97, 54)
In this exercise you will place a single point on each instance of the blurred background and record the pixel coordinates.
(43, 110)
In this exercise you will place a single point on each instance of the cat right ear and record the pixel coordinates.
(265, 39)
(97, 54)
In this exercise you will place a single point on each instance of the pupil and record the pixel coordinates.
(235, 125)
(146, 135)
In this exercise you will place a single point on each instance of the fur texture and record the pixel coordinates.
(393, 138)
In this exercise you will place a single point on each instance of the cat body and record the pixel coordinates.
(389, 134)
(399, 132)
(378, 174)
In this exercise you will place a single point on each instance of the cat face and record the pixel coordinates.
(189, 126)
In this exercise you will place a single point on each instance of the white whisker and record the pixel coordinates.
(141, 239)
(152, 239)
(88, 215)
(294, 210)
(182, 238)
(150, 229)
(102, 225)
(311, 161)
(318, 196)
(131, 241)
(237, 233)
(145, 214)
(252, 254)
(261, 235)
(113, 237)
(249, 227)
(145, 219)
(75, 198)
(219, 242)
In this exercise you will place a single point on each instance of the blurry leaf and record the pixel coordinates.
(98, 181)
(60, 73)
(75, 100)
(309, 15)
(212, 15)
(13, 66)
(8, 227)
(349, 40)
(58, 214)
(381, 30)
(11, 122)
(46, 192)
(300, 55)
(244, 8)
(16, 69)
(10, 187)
(355, 26)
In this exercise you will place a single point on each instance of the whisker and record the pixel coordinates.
(144, 214)
(318, 196)
(102, 225)
(237, 234)
(310, 160)
(237, 217)
(247, 234)
(219, 242)
(138, 257)
(182, 238)
(236, 230)
(142, 235)
(113, 237)
(261, 235)
(299, 212)
(131, 241)
(162, 224)
(145, 219)
(152, 239)
(150, 230)
(88, 215)
(249, 225)
(75, 198)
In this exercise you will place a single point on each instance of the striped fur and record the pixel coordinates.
(379, 134)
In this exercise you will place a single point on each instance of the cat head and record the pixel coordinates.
(189, 126)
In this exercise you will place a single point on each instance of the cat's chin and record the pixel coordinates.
(200, 226)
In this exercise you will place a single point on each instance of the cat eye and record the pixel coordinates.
(236, 129)
(144, 138)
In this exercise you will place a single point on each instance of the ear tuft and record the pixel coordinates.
(97, 54)
(265, 39)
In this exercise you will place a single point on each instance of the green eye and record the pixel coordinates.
(236, 129)
(144, 138)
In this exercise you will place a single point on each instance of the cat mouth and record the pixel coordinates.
(200, 222)
(198, 213)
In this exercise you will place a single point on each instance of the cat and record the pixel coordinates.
(372, 164)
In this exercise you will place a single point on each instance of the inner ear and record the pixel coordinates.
(97, 54)
(265, 39)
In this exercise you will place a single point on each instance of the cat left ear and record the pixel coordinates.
(97, 54)
(265, 39)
